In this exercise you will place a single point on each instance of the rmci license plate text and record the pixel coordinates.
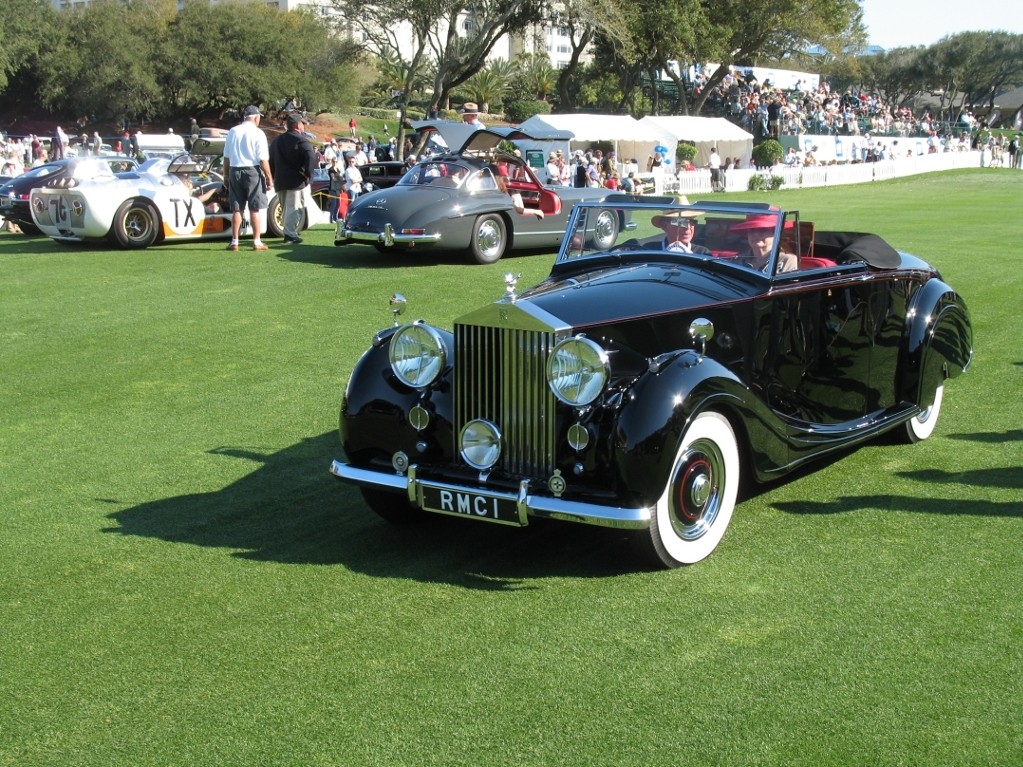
(461, 503)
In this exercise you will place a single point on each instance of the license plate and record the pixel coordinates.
(446, 500)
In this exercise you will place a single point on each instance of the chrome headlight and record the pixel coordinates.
(417, 354)
(577, 371)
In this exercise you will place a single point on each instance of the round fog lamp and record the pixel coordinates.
(480, 443)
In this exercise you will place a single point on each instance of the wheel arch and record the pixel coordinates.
(665, 404)
(937, 344)
(509, 228)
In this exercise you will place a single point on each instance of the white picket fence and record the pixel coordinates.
(697, 182)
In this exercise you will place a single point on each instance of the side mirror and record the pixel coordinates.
(397, 303)
(701, 330)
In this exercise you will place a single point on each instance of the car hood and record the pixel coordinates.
(617, 293)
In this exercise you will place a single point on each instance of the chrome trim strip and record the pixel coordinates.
(388, 237)
(367, 477)
(529, 505)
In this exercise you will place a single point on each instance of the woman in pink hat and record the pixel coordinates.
(759, 230)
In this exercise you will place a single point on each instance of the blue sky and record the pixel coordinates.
(898, 23)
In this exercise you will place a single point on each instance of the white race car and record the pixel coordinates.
(179, 199)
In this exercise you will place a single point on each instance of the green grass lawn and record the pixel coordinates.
(182, 583)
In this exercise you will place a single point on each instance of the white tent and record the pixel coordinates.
(706, 132)
(631, 138)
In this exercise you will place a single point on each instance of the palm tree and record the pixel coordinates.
(488, 86)
(537, 75)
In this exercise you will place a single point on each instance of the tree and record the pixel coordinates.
(25, 25)
(584, 21)
(972, 67)
(460, 56)
(229, 55)
(489, 86)
(898, 76)
(736, 31)
(98, 63)
(535, 78)
(382, 25)
(679, 31)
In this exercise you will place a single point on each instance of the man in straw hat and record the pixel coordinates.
(471, 114)
(679, 226)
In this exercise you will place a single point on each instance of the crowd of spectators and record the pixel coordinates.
(766, 110)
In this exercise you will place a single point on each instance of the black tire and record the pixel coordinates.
(28, 229)
(693, 512)
(393, 507)
(921, 426)
(136, 224)
(605, 229)
(489, 239)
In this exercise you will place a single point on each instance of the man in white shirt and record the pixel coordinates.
(717, 183)
(247, 175)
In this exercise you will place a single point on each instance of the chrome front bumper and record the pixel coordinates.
(388, 237)
(528, 505)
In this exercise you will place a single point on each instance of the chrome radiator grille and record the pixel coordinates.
(501, 377)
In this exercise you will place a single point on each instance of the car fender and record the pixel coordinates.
(374, 418)
(660, 407)
(457, 226)
(937, 342)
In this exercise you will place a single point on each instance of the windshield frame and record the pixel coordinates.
(721, 233)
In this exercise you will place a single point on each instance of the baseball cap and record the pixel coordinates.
(251, 111)
(294, 118)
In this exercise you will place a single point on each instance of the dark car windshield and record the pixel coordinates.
(42, 171)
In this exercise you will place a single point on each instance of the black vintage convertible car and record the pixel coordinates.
(637, 385)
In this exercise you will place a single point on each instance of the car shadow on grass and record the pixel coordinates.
(15, 244)
(905, 503)
(1010, 436)
(290, 510)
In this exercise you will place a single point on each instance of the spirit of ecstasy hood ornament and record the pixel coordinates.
(510, 281)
